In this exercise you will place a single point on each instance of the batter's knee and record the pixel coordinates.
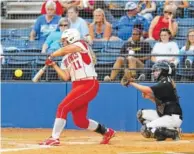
(81, 123)
(140, 116)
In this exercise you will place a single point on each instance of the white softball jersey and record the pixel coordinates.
(79, 64)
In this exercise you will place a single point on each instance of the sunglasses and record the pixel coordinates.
(61, 25)
(167, 12)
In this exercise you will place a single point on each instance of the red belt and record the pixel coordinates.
(88, 78)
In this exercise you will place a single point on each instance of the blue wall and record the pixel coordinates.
(30, 105)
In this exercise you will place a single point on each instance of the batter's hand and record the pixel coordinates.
(49, 61)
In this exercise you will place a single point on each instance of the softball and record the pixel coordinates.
(18, 73)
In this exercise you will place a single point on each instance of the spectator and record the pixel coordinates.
(187, 61)
(100, 29)
(52, 42)
(78, 22)
(45, 23)
(165, 21)
(135, 46)
(189, 49)
(59, 8)
(101, 4)
(126, 23)
(69, 3)
(179, 6)
(146, 8)
(165, 47)
(116, 4)
(87, 5)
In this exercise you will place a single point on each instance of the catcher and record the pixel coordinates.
(165, 121)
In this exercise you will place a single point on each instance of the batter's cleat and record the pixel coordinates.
(107, 136)
(50, 141)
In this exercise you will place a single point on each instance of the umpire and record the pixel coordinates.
(165, 121)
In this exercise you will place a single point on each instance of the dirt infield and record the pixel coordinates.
(24, 141)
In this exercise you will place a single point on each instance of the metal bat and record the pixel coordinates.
(39, 74)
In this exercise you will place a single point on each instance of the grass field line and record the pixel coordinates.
(30, 147)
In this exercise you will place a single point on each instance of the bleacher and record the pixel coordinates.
(17, 20)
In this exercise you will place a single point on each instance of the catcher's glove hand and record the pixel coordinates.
(127, 78)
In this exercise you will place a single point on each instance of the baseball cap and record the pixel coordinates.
(130, 6)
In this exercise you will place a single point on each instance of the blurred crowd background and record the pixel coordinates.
(124, 35)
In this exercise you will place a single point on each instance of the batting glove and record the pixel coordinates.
(49, 61)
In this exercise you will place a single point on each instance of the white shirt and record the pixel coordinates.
(81, 25)
(166, 48)
(79, 64)
(2, 58)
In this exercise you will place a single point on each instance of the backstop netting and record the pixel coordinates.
(19, 52)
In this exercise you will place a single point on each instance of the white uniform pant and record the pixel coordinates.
(152, 120)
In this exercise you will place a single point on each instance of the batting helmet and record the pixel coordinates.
(71, 35)
(161, 69)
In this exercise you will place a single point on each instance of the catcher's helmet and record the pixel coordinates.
(71, 35)
(161, 69)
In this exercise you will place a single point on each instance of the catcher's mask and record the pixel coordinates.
(161, 69)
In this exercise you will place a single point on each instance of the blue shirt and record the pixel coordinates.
(126, 23)
(43, 28)
(99, 35)
(81, 25)
(182, 59)
(53, 41)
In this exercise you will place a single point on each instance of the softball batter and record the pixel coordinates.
(77, 65)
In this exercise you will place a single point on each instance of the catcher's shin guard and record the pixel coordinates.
(139, 116)
(146, 132)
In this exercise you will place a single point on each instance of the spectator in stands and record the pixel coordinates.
(52, 42)
(178, 5)
(146, 8)
(78, 22)
(59, 8)
(135, 46)
(100, 29)
(101, 4)
(45, 23)
(188, 49)
(87, 5)
(165, 21)
(126, 23)
(69, 3)
(165, 46)
(112, 4)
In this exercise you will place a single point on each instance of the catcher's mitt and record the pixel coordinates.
(127, 78)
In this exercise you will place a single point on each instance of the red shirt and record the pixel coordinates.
(158, 27)
(59, 8)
